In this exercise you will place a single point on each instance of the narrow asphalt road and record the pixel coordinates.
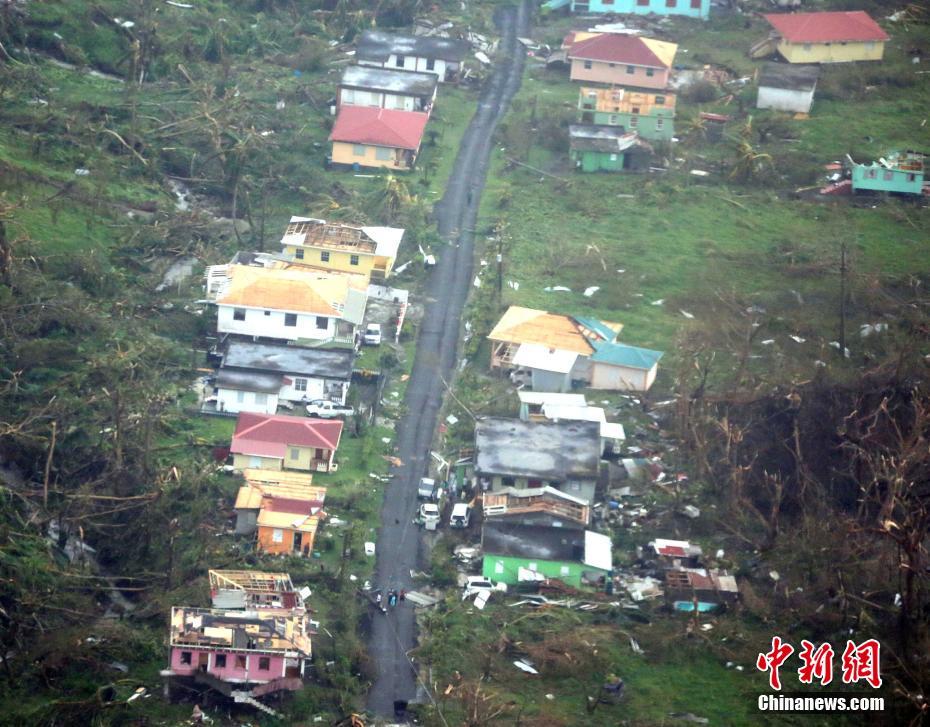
(394, 635)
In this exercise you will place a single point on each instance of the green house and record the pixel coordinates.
(901, 172)
(601, 148)
(515, 552)
(647, 111)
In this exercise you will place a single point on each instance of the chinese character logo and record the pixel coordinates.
(772, 661)
(816, 664)
(861, 662)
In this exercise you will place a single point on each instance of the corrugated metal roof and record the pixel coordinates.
(620, 354)
(830, 27)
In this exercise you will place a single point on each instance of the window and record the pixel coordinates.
(498, 567)
(870, 174)
(277, 536)
(299, 253)
(240, 397)
(430, 64)
(324, 256)
(359, 150)
(631, 69)
(612, 120)
(264, 663)
(300, 384)
(255, 463)
(531, 566)
(660, 123)
(695, 4)
(295, 453)
(869, 44)
(911, 177)
(660, 101)
(353, 259)
(319, 454)
(564, 570)
(607, 2)
(612, 65)
(888, 175)
(241, 662)
(671, 3)
(383, 154)
(642, 3)
(635, 110)
(267, 312)
(650, 71)
(261, 399)
(807, 46)
(613, 157)
(221, 661)
(322, 323)
(186, 657)
(534, 482)
(507, 481)
(238, 314)
(588, 64)
(290, 320)
(634, 122)
(400, 61)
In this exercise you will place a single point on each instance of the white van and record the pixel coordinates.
(461, 515)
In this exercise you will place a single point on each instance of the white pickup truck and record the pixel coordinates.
(328, 409)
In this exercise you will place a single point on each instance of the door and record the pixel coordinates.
(298, 541)
(203, 660)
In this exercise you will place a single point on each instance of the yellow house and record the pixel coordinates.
(364, 136)
(369, 251)
(264, 442)
(834, 37)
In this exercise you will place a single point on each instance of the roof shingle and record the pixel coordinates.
(835, 27)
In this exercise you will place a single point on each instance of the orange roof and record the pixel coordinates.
(291, 290)
(250, 495)
(526, 325)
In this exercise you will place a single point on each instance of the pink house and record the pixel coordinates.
(622, 60)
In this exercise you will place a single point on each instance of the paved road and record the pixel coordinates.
(399, 545)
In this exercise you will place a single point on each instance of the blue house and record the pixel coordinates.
(685, 8)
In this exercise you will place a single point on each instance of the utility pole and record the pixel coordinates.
(843, 272)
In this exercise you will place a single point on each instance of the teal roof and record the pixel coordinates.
(619, 354)
(599, 327)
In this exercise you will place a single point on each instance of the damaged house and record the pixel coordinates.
(648, 112)
(899, 172)
(540, 406)
(387, 89)
(676, 8)
(600, 148)
(443, 57)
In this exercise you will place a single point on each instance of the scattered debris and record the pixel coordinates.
(686, 314)
(523, 666)
(588, 292)
(797, 339)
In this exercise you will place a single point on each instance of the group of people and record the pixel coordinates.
(393, 596)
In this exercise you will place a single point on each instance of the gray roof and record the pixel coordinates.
(249, 381)
(789, 76)
(600, 137)
(555, 451)
(377, 46)
(389, 81)
(311, 362)
(532, 541)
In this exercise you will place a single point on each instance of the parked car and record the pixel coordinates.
(372, 335)
(428, 489)
(328, 409)
(429, 515)
(461, 515)
(476, 584)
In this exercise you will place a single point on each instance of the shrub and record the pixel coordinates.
(699, 92)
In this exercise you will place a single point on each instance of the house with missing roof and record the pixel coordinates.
(377, 138)
(515, 553)
(827, 37)
(596, 148)
(254, 641)
(900, 172)
(387, 89)
(543, 406)
(674, 8)
(510, 453)
(285, 443)
(648, 112)
(288, 304)
(257, 377)
(538, 506)
(560, 351)
(621, 60)
(787, 87)
(443, 57)
(334, 246)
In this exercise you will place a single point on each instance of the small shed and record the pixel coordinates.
(786, 87)
(603, 148)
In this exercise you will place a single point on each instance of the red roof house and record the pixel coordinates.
(377, 137)
(831, 37)
(284, 442)
(621, 60)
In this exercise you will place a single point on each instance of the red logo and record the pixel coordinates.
(859, 663)
(772, 661)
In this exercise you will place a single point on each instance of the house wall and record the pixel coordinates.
(595, 161)
(550, 381)
(685, 8)
(618, 74)
(506, 568)
(231, 672)
(379, 99)
(831, 52)
(654, 127)
(244, 461)
(886, 180)
(338, 260)
(268, 544)
(621, 378)
(246, 521)
(314, 389)
(366, 155)
(258, 324)
(443, 69)
(583, 489)
(784, 99)
(236, 400)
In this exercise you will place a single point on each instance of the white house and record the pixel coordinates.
(256, 377)
(441, 56)
(787, 87)
(289, 304)
(547, 406)
(387, 88)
